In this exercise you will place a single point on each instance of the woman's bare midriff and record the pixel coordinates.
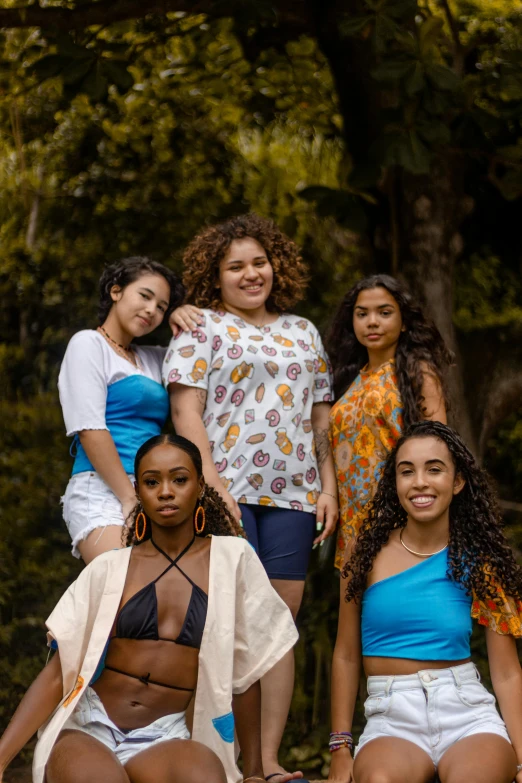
(132, 704)
(383, 667)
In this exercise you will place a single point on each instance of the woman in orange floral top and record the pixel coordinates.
(389, 364)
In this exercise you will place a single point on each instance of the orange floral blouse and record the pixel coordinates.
(365, 424)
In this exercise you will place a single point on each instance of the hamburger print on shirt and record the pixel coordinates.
(261, 383)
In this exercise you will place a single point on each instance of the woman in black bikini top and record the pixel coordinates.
(149, 670)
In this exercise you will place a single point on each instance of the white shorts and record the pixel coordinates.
(91, 717)
(433, 709)
(88, 504)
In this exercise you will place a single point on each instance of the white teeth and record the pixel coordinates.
(423, 500)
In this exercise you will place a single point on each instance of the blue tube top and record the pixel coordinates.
(418, 614)
(136, 410)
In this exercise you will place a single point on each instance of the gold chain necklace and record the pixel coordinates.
(128, 353)
(420, 554)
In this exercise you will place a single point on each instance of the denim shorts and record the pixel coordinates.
(433, 709)
(88, 504)
(282, 538)
(91, 717)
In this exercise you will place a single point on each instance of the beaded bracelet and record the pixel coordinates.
(340, 739)
(328, 493)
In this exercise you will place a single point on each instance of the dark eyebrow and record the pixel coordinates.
(428, 462)
(172, 470)
(162, 301)
(241, 261)
(379, 307)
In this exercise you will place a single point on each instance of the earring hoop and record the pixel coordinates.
(141, 518)
(199, 524)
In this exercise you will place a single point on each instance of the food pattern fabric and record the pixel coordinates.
(261, 384)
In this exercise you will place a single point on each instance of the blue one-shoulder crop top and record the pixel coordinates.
(418, 614)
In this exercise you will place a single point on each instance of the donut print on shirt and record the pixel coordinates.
(261, 384)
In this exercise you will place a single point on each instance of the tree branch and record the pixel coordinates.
(458, 50)
(106, 12)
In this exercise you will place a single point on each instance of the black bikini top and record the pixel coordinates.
(138, 618)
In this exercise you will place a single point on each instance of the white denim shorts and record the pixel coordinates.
(433, 709)
(88, 504)
(91, 717)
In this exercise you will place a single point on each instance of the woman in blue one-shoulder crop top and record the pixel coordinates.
(430, 554)
(113, 400)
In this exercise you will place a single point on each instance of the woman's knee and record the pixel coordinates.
(78, 758)
(176, 761)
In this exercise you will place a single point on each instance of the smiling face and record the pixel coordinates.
(377, 321)
(245, 276)
(168, 486)
(426, 479)
(139, 307)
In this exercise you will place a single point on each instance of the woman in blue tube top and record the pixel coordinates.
(430, 556)
(113, 400)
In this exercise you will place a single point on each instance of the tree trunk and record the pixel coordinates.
(431, 211)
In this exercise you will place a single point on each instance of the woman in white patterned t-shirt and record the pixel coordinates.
(250, 385)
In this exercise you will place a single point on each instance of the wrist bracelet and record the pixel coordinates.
(519, 768)
(253, 777)
(340, 739)
(328, 493)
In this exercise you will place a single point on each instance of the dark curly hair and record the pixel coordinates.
(420, 347)
(477, 550)
(202, 258)
(219, 520)
(128, 270)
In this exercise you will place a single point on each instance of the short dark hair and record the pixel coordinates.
(126, 271)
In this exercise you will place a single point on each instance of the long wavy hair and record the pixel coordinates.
(420, 347)
(477, 549)
(202, 258)
(219, 520)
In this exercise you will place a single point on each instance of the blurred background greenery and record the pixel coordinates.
(382, 135)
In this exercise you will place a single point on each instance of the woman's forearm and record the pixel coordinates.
(190, 425)
(101, 451)
(345, 686)
(323, 449)
(37, 705)
(247, 716)
(509, 696)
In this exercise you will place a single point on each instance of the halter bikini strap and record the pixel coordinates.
(184, 552)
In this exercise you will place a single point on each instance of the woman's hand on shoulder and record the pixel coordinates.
(327, 514)
(185, 319)
(341, 767)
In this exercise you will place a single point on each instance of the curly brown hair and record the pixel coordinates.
(202, 258)
(219, 520)
(477, 552)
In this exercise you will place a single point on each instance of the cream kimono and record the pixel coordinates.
(248, 630)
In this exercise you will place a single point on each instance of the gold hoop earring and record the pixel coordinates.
(141, 518)
(199, 525)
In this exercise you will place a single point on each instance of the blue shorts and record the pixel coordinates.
(282, 538)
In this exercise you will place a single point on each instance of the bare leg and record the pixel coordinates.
(176, 761)
(277, 687)
(482, 758)
(79, 758)
(102, 539)
(391, 760)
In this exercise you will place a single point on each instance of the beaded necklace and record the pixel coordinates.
(127, 353)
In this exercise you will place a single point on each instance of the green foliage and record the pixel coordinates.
(127, 138)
